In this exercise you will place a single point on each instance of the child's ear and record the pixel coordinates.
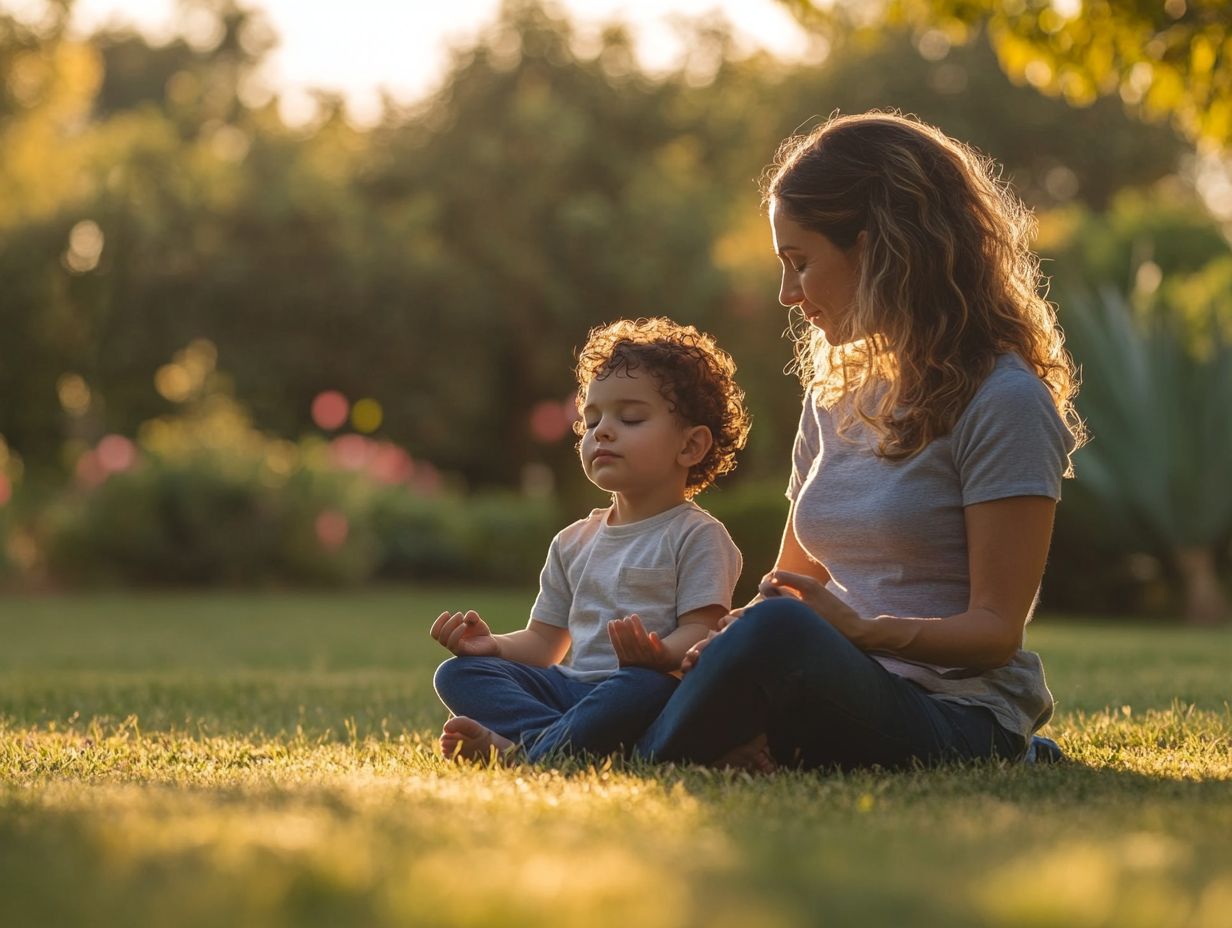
(697, 443)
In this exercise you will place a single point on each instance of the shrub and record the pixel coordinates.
(204, 498)
(1156, 401)
(506, 536)
(192, 521)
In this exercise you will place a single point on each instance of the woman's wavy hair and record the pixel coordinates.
(695, 376)
(947, 278)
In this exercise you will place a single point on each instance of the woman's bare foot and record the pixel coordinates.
(751, 757)
(466, 739)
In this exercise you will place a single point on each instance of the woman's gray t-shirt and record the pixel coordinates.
(892, 534)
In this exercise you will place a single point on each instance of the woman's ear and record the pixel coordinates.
(697, 444)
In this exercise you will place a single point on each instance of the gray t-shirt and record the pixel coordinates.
(892, 533)
(660, 568)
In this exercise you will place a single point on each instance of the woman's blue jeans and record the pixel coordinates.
(784, 671)
(548, 712)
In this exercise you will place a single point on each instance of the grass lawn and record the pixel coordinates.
(265, 759)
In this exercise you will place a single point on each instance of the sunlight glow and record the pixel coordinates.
(74, 394)
(85, 246)
(377, 47)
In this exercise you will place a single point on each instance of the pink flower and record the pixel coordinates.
(90, 471)
(116, 454)
(549, 422)
(332, 528)
(351, 452)
(329, 410)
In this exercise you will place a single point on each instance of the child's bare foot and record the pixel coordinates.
(751, 757)
(466, 739)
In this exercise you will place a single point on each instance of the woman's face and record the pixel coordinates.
(818, 276)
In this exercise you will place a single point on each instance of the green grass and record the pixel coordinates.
(238, 759)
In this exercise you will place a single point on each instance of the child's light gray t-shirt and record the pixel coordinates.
(660, 568)
(893, 536)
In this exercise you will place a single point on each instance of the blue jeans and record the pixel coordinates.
(548, 712)
(784, 671)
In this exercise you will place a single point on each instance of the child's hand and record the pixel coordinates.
(694, 653)
(465, 634)
(635, 647)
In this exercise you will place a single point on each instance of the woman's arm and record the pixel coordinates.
(792, 559)
(792, 556)
(1007, 545)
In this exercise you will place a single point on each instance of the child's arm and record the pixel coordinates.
(467, 635)
(636, 648)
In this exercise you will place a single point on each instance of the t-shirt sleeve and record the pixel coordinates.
(1010, 441)
(807, 446)
(707, 568)
(554, 599)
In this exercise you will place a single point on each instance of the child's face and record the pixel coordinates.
(633, 441)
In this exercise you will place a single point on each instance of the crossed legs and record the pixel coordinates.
(503, 705)
(783, 674)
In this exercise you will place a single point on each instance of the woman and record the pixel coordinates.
(936, 429)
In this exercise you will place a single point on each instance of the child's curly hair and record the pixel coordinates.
(695, 377)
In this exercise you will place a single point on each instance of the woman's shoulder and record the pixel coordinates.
(1011, 385)
(1012, 401)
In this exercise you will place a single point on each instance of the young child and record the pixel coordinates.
(631, 587)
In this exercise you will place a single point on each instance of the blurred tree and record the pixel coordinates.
(47, 84)
(1166, 59)
(1146, 240)
(558, 193)
(446, 262)
(1043, 143)
(136, 73)
(107, 225)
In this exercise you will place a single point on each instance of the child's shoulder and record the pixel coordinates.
(583, 529)
(678, 522)
(692, 519)
(693, 514)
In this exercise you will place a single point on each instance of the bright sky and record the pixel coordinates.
(360, 46)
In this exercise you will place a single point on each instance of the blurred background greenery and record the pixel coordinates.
(237, 351)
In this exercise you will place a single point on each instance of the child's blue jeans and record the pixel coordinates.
(784, 671)
(546, 711)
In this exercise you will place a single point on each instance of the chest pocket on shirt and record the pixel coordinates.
(651, 593)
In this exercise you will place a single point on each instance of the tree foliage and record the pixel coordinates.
(447, 261)
(1168, 59)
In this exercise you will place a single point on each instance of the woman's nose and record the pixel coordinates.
(789, 290)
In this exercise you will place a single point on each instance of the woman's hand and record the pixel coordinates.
(813, 593)
(465, 634)
(635, 647)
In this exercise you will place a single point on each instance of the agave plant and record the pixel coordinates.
(1159, 409)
